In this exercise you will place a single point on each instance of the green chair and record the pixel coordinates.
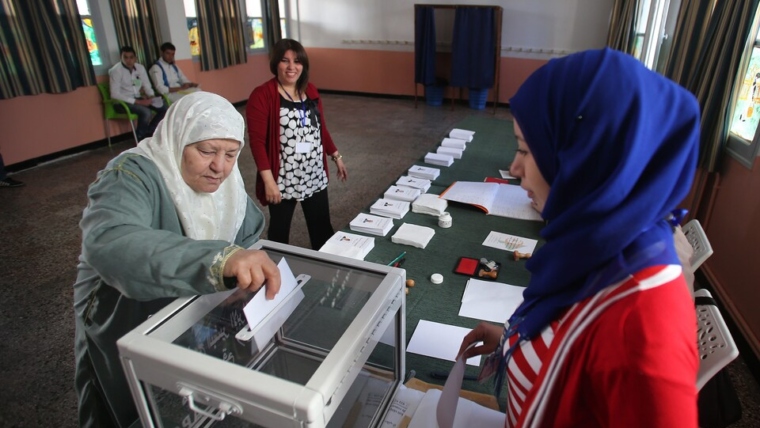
(112, 114)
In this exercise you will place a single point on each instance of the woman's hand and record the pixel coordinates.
(487, 333)
(342, 171)
(273, 194)
(254, 268)
(271, 190)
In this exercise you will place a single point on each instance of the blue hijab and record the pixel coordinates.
(618, 145)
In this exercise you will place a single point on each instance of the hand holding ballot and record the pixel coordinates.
(253, 268)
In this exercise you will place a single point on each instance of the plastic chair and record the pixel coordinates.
(110, 112)
(698, 240)
(716, 346)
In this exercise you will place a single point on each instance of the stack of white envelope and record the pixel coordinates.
(411, 234)
(437, 159)
(417, 183)
(372, 224)
(451, 151)
(454, 142)
(389, 208)
(349, 245)
(429, 204)
(424, 172)
(462, 134)
(402, 193)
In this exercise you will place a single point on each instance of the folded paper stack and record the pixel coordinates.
(389, 208)
(451, 151)
(429, 204)
(462, 134)
(454, 143)
(417, 183)
(424, 172)
(436, 159)
(372, 224)
(411, 234)
(402, 193)
(349, 245)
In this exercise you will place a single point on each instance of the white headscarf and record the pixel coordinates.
(193, 118)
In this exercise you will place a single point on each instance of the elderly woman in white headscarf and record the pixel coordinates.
(169, 218)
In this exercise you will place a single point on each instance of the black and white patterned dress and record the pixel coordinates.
(301, 174)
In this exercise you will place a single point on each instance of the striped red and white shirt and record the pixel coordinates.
(626, 356)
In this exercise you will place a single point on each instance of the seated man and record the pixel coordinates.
(129, 83)
(167, 78)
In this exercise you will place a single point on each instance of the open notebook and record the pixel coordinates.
(504, 200)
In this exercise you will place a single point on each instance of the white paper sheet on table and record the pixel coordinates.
(469, 414)
(507, 242)
(490, 301)
(438, 340)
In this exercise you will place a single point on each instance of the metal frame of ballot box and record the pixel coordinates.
(337, 356)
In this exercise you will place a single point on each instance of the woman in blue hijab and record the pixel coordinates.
(606, 333)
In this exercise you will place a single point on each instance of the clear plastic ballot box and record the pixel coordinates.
(331, 354)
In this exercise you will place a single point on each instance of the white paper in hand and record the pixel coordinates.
(259, 307)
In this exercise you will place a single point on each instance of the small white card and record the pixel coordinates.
(303, 147)
(505, 174)
(504, 241)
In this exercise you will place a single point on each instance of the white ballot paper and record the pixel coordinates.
(507, 242)
(259, 308)
(490, 301)
(439, 341)
(464, 413)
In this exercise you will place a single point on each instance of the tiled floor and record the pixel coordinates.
(379, 138)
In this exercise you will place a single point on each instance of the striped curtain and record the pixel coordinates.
(136, 26)
(220, 32)
(42, 48)
(273, 33)
(708, 45)
(622, 31)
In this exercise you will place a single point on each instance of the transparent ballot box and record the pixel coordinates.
(331, 354)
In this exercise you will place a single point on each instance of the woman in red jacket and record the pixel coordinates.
(290, 145)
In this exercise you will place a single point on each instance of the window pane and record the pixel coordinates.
(192, 34)
(283, 27)
(253, 8)
(190, 8)
(747, 109)
(92, 44)
(255, 25)
(89, 32)
(192, 27)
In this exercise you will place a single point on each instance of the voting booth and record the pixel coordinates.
(331, 354)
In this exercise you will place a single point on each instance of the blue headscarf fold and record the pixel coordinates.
(618, 145)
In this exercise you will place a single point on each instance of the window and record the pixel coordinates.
(651, 16)
(283, 20)
(745, 110)
(89, 32)
(192, 27)
(254, 25)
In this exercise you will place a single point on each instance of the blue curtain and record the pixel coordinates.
(424, 45)
(472, 50)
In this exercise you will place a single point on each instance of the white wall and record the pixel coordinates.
(549, 25)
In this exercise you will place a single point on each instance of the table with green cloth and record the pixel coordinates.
(491, 149)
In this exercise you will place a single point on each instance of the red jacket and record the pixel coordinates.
(262, 114)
